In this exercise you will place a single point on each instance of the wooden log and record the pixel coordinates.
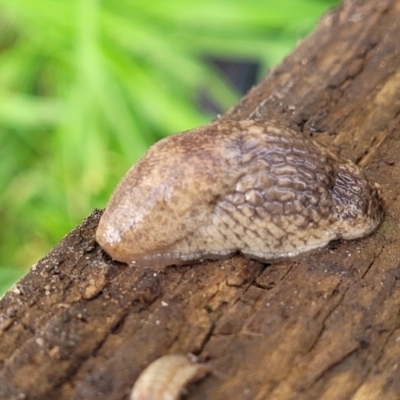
(326, 326)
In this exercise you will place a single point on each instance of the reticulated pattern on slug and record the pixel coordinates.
(236, 186)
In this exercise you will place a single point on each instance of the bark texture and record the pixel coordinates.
(326, 326)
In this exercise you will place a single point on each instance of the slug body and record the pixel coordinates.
(166, 378)
(236, 186)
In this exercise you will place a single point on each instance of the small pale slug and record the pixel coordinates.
(167, 377)
(252, 187)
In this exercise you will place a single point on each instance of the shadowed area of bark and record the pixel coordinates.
(326, 326)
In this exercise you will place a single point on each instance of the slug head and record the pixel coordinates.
(166, 196)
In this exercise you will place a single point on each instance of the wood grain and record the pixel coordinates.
(327, 326)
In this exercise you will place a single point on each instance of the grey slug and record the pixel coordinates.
(252, 187)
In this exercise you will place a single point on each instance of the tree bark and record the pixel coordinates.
(326, 326)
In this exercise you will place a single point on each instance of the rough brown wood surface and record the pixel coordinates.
(326, 326)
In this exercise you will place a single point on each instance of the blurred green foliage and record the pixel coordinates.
(86, 86)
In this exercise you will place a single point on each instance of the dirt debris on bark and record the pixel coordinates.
(326, 326)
